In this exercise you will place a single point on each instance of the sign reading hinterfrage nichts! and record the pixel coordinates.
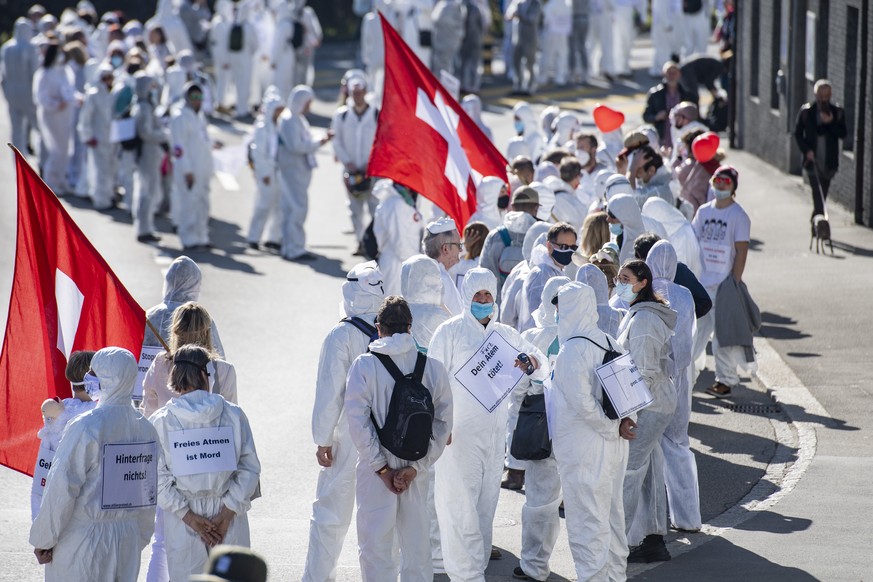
(490, 373)
(130, 475)
(202, 450)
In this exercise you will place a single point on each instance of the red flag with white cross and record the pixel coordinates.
(64, 298)
(425, 140)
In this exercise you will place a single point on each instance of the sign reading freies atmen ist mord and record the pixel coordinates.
(202, 450)
(490, 373)
(130, 475)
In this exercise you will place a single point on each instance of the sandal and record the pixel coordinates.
(719, 390)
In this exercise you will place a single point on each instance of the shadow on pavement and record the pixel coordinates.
(722, 483)
(721, 560)
(772, 522)
(729, 442)
(799, 414)
(857, 251)
(502, 569)
(779, 327)
(325, 266)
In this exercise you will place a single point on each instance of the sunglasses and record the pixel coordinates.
(563, 247)
(722, 181)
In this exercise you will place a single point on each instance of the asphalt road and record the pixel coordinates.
(273, 315)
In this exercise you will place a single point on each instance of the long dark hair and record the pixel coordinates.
(642, 272)
(51, 55)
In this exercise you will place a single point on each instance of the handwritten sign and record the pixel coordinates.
(130, 475)
(625, 386)
(146, 357)
(40, 475)
(490, 373)
(202, 450)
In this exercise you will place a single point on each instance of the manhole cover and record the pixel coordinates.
(754, 408)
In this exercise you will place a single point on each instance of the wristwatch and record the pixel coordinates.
(382, 471)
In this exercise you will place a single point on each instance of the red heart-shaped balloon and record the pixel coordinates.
(705, 146)
(607, 119)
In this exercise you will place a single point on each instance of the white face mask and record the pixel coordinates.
(92, 386)
(721, 194)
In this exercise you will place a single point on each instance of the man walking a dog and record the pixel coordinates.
(820, 126)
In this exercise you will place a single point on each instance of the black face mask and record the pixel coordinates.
(563, 258)
(503, 202)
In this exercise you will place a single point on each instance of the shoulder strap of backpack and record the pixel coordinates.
(362, 325)
(595, 343)
(420, 362)
(505, 236)
(391, 366)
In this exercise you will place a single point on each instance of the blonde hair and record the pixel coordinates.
(191, 325)
(595, 233)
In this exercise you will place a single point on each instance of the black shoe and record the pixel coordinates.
(653, 549)
(254, 246)
(496, 554)
(519, 574)
(148, 238)
(514, 480)
(273, 246)
(307, 256)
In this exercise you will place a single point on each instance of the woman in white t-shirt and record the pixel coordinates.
(722, 228)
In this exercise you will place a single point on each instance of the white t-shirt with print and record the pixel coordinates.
(718, 230)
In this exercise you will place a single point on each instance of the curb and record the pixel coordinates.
(795, 448)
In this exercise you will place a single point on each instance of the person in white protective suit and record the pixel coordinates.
(489, 190)
(527, 131)
(557, 26)
(283, 59)
(192, 170)
(540, 521)
(680, 466)
(442, 243)
(373, 50)
(155, 141)
(666, 24)
(397, 228)
(95, 124)
(624, 33)
(354, 127)
(296, 159)
(18, 63)
(65, 411)
(472, 104)
(72, 516)
(626, 223)
(177, 78)
(503, 248)
(392, 492)
(592, 476)
(645, 332)
(468, 473)
(470, 51)
(202, 504)
(696, 28)
(335, 452)
(219, 38)
(449, 18)
(167, 16)
(181, 285)
(304, 60)
(680, 233)
(560, 246)
(609, 318)
(241, 58)
(264, 25)
(55, 97)
(568, 208)
(565, 126)
(263, 151)
(511, 292)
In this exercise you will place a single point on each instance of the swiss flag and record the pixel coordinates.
(425, 140)
(64, 298)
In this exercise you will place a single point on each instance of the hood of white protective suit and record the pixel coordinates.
(539, 255)
(547, 200)
(544, 316)
(476, 280)
(670, 217)
(186, 61)
(546, 170)
(547, 118)
(143, 85)
(271, 102)
(662, 260)
(594, 278)
(363, 291)
(224, 9)
(667, 315)
(600, 180)
(517, 147)
(299, 97)
(487, 194)
(399, 343)
(420, 281)
(132, 28)
(565, 125)
(116, 369)
(524, 112)
(518, 222)
(531, 236)
(198, 406)
(165, 8)
(617, 184)
(23, 30)
(577, 312)
(473, 106)
(627, 211)
(182, 281)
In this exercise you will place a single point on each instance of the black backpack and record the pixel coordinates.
(297, 31)
(371, 245)
(366, 328)
(609, 355)
(236, 38)
(692, 6)
(408, 425)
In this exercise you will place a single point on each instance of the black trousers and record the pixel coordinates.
(820, 184)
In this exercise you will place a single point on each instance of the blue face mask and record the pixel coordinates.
(625, 291)
(563, 258)
(615, 228)
(481, 310)
(92, 386)
(519, 127)
(116, 61)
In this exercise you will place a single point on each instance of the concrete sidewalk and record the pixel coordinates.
(815, 364)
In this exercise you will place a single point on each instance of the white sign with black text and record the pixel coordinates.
(146, 357)
(202, 450)
(625, 386)
(130, 475)
(490, 373)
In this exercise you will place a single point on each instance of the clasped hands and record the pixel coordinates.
(211, 531)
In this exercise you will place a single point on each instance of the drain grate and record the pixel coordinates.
(754, 408)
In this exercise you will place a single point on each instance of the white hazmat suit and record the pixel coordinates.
(397, 226)
(264, 148)
(592, 475)
(422, 287)
(147, 182)
(72, 516)
(18, 62)
(335, 490)
(609, 318)
(468, 474)
(55, 95)
(192, 152)
(510, 300)
(95, 122)
(487, 194)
